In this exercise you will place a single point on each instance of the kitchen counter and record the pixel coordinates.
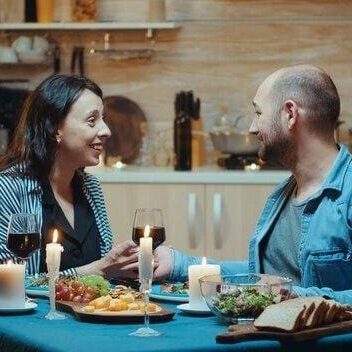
(206, 175)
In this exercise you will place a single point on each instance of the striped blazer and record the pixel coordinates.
(19, 194)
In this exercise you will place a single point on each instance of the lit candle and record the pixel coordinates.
(146, 256)
(196, 301)
(53, 254)
(12, 294)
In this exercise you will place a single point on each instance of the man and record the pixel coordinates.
(305, 229)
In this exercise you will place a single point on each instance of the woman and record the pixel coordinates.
(61, 131)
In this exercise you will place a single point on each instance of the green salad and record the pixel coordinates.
(244, 302)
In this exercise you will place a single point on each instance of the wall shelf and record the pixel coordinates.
(149, 27)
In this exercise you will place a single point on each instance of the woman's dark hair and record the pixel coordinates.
(35, 143)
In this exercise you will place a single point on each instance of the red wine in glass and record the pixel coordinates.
(153, 218)
(157, 233)
(23, 235)
(22, 245)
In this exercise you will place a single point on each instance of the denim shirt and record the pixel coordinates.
(325, 250)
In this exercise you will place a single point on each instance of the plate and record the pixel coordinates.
(37, 291)
(27, 307)
(157, 293)
(185, 308)
(125, 316)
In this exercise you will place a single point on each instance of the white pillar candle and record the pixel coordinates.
(196, 301)
(12, 292)
(53, 254)
(146, 256)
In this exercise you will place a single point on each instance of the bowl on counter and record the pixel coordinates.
(240, 298)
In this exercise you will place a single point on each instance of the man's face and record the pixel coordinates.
(274, 143)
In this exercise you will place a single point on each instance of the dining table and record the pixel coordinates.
(31, 332)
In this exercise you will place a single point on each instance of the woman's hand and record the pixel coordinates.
(163, 263)
(121, 261)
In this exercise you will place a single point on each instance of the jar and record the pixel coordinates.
(84, 10)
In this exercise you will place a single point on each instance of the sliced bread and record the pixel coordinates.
(284, 316)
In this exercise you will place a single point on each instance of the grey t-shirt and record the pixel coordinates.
(280, 249)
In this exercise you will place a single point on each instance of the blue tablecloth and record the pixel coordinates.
(31, 332)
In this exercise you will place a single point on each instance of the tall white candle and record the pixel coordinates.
(146, 256)
(12, 293)
(53, 254)
(196, 301)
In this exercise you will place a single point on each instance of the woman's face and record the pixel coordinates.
(83, 133)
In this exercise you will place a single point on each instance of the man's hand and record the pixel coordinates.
(163, 263)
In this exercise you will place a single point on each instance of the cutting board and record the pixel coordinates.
(239, 333)
(127, 123)
(161, 315)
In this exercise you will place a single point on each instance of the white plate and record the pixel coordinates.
(157, 293)
(27, 307)
(38, 292)
(198, 311)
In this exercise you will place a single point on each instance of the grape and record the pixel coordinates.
(82, 289)
(85, 300)
(77, 299)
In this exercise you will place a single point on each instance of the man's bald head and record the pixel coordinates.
(312, 89)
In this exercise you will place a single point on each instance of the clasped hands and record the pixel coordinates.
(122, 262)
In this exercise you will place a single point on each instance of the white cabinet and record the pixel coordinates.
(182, 206)
(231, 214)
(201, 219)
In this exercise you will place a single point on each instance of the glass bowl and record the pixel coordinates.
(241, 298)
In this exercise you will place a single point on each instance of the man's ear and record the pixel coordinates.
(290, 110)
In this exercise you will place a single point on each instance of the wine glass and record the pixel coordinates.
(153, 218)
(23, 236)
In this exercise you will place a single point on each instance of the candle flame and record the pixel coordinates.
(146, 231)
(204, 260)
(55, 236)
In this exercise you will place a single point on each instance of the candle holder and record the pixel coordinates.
(53, 259)
(53, 313)
(145, 270)
(146, 330)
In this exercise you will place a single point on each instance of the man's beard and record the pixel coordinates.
(279, 151)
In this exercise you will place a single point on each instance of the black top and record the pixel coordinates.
(81, 244)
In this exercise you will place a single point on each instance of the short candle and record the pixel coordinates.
(12, 292)
(196, 300)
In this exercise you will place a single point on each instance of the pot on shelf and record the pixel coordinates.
(235, 143)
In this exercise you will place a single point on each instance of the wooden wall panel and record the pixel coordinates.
(222, 51)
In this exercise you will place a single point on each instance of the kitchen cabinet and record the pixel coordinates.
(201, 219)
(231, 214)
(182, 206)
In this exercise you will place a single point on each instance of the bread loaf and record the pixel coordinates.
(302, 313)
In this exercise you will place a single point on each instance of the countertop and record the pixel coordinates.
(204, 175)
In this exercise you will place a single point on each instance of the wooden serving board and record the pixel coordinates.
(239, 333)
(113, 317)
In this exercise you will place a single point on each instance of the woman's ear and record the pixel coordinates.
(291, 113)
(58, 137)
